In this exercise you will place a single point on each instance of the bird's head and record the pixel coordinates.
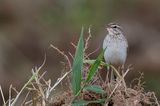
(114, 29)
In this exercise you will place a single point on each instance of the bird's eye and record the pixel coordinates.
(115, 26)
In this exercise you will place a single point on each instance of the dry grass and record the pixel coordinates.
(117, 94)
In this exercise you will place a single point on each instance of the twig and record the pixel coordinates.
(10, 94)
(4, 102)
(58, 81)
(42, 75)
(73, 45)
(15, 90)
(26, 97)
(63, 54)
(39, 87)
(156, 100)
(87, 40)
(44, 61)
(33, 87)
(48, 89)
(71, 55)
(116, 71)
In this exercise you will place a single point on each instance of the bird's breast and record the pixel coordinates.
(115, 54)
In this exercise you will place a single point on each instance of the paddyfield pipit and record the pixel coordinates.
(115, 45)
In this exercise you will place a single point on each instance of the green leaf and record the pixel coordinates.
(94, 66)
(85, 103)
(94, 88)
(78, 65)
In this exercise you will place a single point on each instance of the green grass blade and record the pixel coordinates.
(78, 65)
(94, 88)
(94, 66)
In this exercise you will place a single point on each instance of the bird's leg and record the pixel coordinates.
(122, 68)
(113, 75)
(107, 76)
(107, 79)
(110, 75)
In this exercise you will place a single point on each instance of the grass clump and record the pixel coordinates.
(92, 90)
(86, 87)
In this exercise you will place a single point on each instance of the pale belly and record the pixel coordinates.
(115, 55)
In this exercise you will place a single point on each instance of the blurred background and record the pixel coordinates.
(28, 27)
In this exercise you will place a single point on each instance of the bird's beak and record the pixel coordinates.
(108, 27)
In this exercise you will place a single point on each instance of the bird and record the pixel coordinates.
(115, 45)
